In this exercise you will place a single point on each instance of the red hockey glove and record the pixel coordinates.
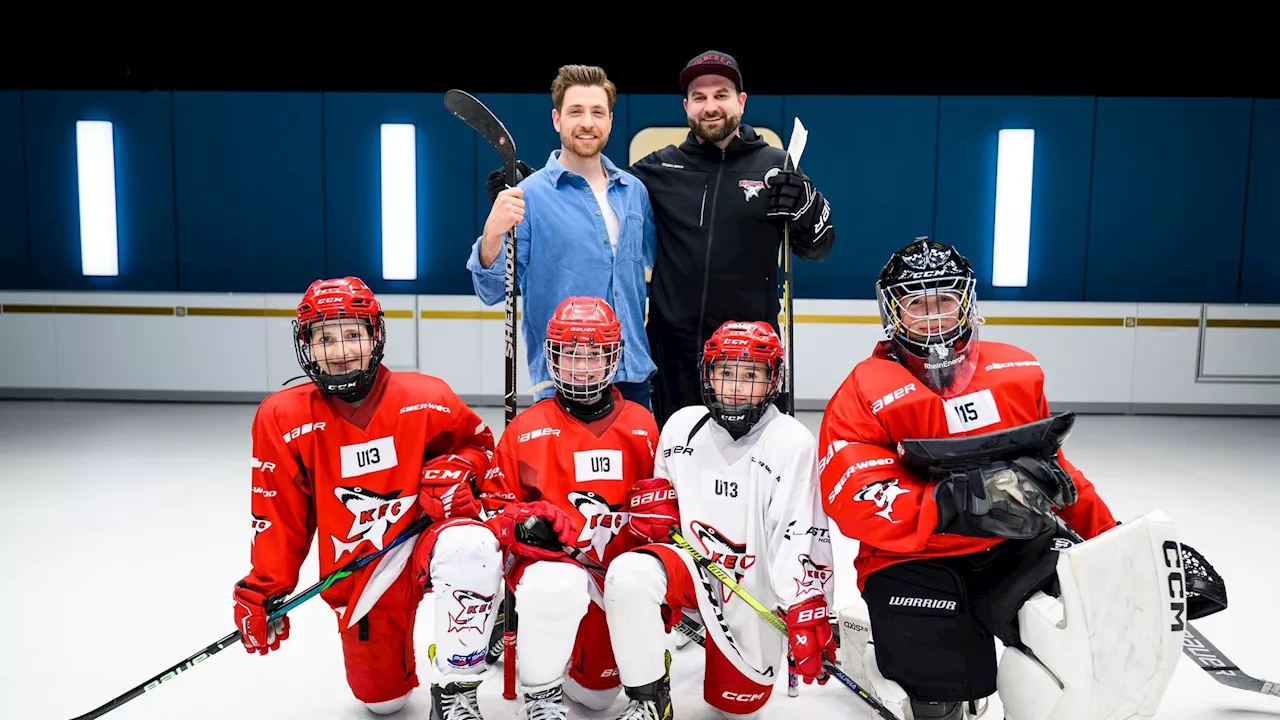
(447, 491)
(252, 609)
(809, 629)
(564, 526)
(654, 512)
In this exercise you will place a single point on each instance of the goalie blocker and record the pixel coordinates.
(1079, 644)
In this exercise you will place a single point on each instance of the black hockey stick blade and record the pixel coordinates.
(413, 528)
(474, 113)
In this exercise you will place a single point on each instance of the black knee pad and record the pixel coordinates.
(937, 710)
(1000, 588)
(927, 637)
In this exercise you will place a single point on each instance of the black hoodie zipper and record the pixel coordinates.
(706, 269)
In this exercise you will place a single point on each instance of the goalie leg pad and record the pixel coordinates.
(858, 660)
(1108, 647)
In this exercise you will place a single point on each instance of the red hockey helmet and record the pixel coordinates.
(340, 335)
(741, 369)
(583, 347)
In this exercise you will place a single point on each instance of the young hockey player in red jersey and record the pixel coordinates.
(949, 560)
(575, 461)
(354, 456)
(744, 480)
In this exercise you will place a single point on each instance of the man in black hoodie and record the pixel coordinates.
(719, 229)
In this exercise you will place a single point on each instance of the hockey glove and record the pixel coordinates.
(790, 195)
(513, 515)
(256, 633)
(448, 490)
(1000, 500)
(809, 630)
(497, 181)
(654, 513)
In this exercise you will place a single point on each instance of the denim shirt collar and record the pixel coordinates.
(558, 171)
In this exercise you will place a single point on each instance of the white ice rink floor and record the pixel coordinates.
(125, 527)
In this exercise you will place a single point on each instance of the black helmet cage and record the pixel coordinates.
(353, 384)
(738, 418)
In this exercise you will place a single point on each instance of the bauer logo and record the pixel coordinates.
(535, 434)
(303, 429)
(898, 394)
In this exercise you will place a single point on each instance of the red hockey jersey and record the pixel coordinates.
(887, 508)
(349, 474)
(586, 469)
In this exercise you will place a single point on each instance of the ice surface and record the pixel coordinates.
(125, 527)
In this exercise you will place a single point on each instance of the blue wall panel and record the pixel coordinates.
(1168, 199)
(250, 191)
(660, 111)
(874, 159)
(1260, 274)
(144, 188)
(13, 195)
(968, 142)
(446, 180)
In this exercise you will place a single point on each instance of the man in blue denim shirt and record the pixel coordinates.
(588, 231)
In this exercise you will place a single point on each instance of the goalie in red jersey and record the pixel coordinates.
(353, 457)
(576, 461)
(979, 536)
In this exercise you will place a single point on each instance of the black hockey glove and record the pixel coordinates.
(790, 195)
(1001, 500)
(497, 181)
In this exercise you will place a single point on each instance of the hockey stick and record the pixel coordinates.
(778, 623)
(481, 119)
(413, 528)
(795, 148)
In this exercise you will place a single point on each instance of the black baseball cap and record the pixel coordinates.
(711, 62)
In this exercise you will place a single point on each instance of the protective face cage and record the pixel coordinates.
(933, 326)
(582, 371)
(735, 412)
(354, 382)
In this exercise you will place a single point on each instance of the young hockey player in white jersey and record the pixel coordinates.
(745, 477)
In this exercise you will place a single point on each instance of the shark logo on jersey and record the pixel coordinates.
(603, 521)
(731, 556)
(260, 523)
(811, 572)
(373, 512)
(883, 494)
(473, 611)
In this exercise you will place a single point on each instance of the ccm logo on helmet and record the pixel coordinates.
(324, 300)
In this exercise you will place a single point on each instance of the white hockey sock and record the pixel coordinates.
(552, 599)
(634, 590)
(466, 575)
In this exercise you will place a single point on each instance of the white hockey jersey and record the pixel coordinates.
(753, 507)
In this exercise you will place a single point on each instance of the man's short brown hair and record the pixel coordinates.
(588, 75)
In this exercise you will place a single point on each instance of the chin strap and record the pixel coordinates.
(588, 413)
